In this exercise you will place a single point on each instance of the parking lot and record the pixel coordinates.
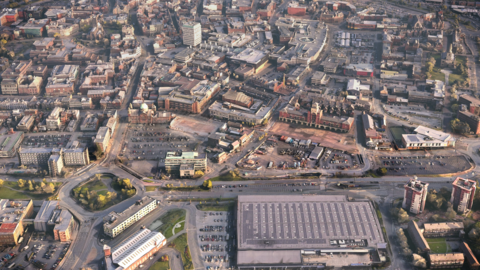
(46, 140)
(415, 114)
(422, 164)
(41, 252)
(216, 238)
(154, 142)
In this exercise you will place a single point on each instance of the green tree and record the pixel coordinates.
(454, 107)
(207, 184)
(382, 171)
(21, 183)
(50, 188)
(101, 200)
(1, 182)
(450, 213)
(30, 185)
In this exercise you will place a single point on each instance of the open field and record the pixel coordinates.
(216, 207)
(438, 245)
(340, 141)
(160, 266)
(169, 220)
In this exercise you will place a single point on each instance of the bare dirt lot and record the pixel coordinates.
(329, 139)
(195, 125)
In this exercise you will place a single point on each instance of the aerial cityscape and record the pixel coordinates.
(239, 134)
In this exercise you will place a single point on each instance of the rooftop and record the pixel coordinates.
(463, 183)
(8, 228)
(46, 211)
(443, 226)
(114, 219)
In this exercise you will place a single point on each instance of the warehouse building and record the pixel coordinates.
(293, 231)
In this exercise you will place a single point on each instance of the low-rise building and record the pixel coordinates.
(10, 142)
(173, 161)
(62, 80)
(427, 138)
(12, 215)
(417, 237)
(115, 223)
(443, 229)
(64, 224)
(26, 123)
(471, 261)
(446, 260)
(134, 251)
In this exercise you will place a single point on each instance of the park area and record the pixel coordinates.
(28, 189)
(102, 191)
(438, 245)
(171, 223)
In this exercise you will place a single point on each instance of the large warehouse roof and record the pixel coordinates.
(298, 222)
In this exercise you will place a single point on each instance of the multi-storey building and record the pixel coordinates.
(144, 115)
(471, 261)
(115, 223)
(192, 33)
(34, 156)
(62, 80)
(62, 28)
(12, 215)
(12, 75)
(55, 163)
(77, 156)
(134, 251)
(102, 138)
(63, 225)
(53, 120)
(173, 161)
(417, 237)
(414, 196)
(463, 193)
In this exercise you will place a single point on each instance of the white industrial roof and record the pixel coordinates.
(136, 247)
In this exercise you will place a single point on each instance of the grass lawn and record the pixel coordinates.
(96, 185)
(169, 220)
(14, 185)
(181, 245)
(456, 77)
(6, 193)
(160, 266)
(226, 177)
(216, 207)
(436, 74)
(151, 188)
(147, 181)
(182, 225)
(438, 245)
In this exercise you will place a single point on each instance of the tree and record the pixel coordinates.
(450, 214)
(21, 183)
(207, 184)
(126, 183)
(402, 216)
(419, 261)
(460, 127)
(429, 67)
(101, 200)
(50, 188)
(454, 107)
(382, 171)
(199, 174)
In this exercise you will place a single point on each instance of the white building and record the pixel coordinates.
(427, 138)
(192, 33)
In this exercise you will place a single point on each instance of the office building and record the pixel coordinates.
(414, 196)
(443, 229)
(12, 215)
(53, 120)
(115, 223)
(294, 231)
(446, 260)
(417, 237)
(26, 123)
(63, 225)
(192, 33)
(34, 156)
(55, 164)
(62, 80)
(471, 261)
(131, 253)
(10, 142)
(77, 156)
(173, 160)
(463, 193)
(44, 215)
(102, 138)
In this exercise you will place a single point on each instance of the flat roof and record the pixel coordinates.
(7, 228)
(46, 211)
(270, 222)
(127, 213)
(443, 226)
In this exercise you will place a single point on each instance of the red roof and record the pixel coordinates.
(8, 227)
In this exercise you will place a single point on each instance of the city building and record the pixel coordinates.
(192, 33)
(61, 27)
(134, 251)
(414, 196)
(12, 215)
(10, 142)
(472, 119)
(76, 156)
(34, 156)
(463, 193)
(446, 260)
(294, 8)
(471, 261)
(443, 229)
(63, 225)
(115, 223)
(62, 80)
(427, 138)
(102, 138)
(417, 237)
(53, 120)
(44, 215)
(30, 85)
(144, 115)
(55, 163)
(174, 160)
(11, 76)
(293, 240)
